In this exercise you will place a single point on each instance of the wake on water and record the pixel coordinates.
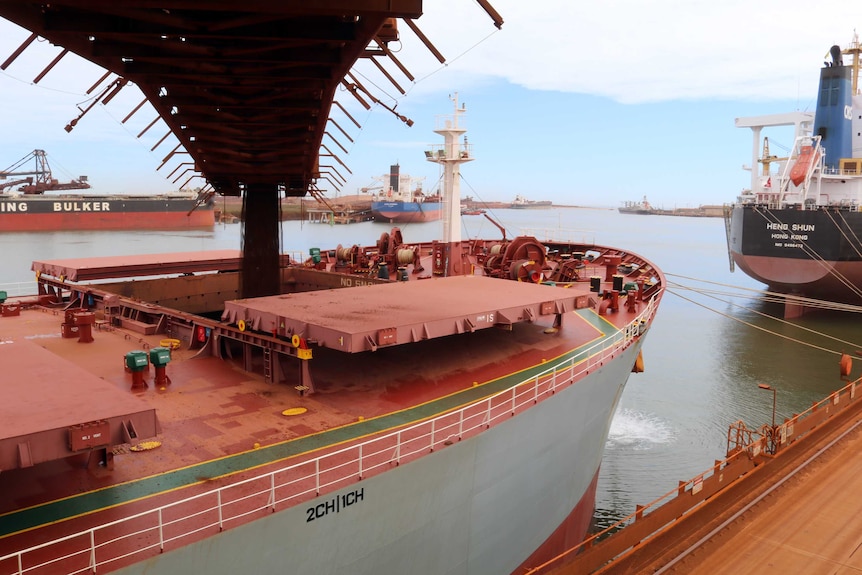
(638, 431)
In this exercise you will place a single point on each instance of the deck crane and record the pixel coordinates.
(767, 159)
(39, 179)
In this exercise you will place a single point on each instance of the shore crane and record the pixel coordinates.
(39, 179)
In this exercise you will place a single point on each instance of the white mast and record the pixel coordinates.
(452, 154)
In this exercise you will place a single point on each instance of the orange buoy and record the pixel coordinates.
(638, 367)
(845, 364)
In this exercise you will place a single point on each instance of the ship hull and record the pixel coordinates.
(813, 253)
(544, 205)
(638, 211)
(508, 498)
(475, 448)
(406, 212)
(51, 213)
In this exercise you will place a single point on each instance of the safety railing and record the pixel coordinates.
(746, 449)
(115, 544)
(18, 288)
(794, 428)
(561, 235)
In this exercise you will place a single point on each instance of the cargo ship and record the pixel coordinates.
(522, 203)
(643, 208)
(401, 200)
(422, 407)
(29, 202)
(798, 228)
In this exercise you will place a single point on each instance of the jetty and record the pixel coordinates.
(781, 502)
(339, 215)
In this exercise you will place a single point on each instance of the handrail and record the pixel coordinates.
(614, 540)
(217, 508)
(19, 288)
(561, 235)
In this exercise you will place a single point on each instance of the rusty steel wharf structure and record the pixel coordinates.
(247, 89)
(780, 502)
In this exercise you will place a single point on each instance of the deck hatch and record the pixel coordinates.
(117, 267)
(363, 318)
(67, 395)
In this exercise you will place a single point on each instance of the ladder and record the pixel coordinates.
(728, 210)
(267, 364)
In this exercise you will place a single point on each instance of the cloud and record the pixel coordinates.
(564, 67)
(628, 51)
(637, 52)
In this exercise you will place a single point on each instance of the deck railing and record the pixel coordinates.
(561, 235)
(19, 288)
(115, 544)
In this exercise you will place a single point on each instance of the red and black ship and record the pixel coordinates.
(29, 202)
(798, 229)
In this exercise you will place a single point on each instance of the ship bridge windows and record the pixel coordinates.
(850, 166)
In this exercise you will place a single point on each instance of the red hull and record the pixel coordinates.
(406, 217)
(399, 212)
(569, 534)
(804, 277)
(200, 218)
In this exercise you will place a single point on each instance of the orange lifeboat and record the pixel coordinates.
(803, 164)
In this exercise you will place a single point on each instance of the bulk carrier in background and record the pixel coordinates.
(401, 200)
(798, 229)
(32, 200)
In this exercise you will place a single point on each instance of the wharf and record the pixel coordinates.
(345, 209)
(345, 215)
(797, 511)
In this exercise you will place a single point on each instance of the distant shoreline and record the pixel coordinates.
(298, 208)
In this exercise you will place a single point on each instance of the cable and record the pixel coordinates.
(808, 250)
(446, 64)
(777, 297)
(766, 315)
(757, 327)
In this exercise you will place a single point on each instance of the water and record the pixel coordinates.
(702, 364)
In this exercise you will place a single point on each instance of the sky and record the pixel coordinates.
(588, 104)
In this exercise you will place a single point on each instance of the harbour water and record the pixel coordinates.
(704, 357)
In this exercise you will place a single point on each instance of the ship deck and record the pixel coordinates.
(221, 423)
(401, 312)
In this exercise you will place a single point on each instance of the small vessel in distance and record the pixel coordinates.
(25, 205)
(798, 228)
(471, 211)
(400, 199)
